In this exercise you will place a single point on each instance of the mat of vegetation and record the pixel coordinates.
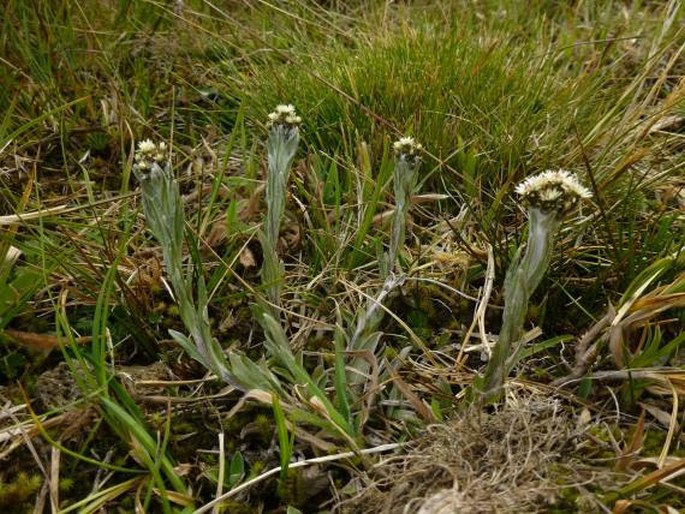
(298, 256)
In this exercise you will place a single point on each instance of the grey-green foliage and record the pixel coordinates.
(404, 182)
(550, 196)
(522, 279)
(364, 338)
(281, 148)
(164, 214)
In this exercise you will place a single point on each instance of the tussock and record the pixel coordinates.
(517, 458)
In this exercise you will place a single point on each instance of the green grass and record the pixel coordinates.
(494, 91)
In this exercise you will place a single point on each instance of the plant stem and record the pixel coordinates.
(281, 147)
(403, 183)
(523, 277)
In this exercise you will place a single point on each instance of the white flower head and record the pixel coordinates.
(285, 109)
(285, 115)
(146, 146)
(407, 149)
(553, 191)
(149, 153)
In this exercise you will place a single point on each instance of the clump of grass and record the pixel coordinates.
(518, 458)
(379, 88)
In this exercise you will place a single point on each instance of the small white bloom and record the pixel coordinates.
(553, 190)
(404, 141)
(406, 148)
(549, 195)
(148, 154)
(285, 115)
(285, 109)
(553, 178)
(146, 146)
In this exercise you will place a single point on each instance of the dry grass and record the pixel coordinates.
(521, 457)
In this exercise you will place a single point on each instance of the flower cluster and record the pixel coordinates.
(407, 149)
(284, 115)
(553, 191)
(149, 153)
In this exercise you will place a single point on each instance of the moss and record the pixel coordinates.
(257, 468)
(234, 507)
(264, 427)
(572, 499)
(654, 441)
(604, 437)
(66, 484)
(293, 490)
(17, 496)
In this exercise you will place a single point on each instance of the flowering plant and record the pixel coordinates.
(365, 338)
(164, 214)
(407, 160)
(549, 196)
(281, 146)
